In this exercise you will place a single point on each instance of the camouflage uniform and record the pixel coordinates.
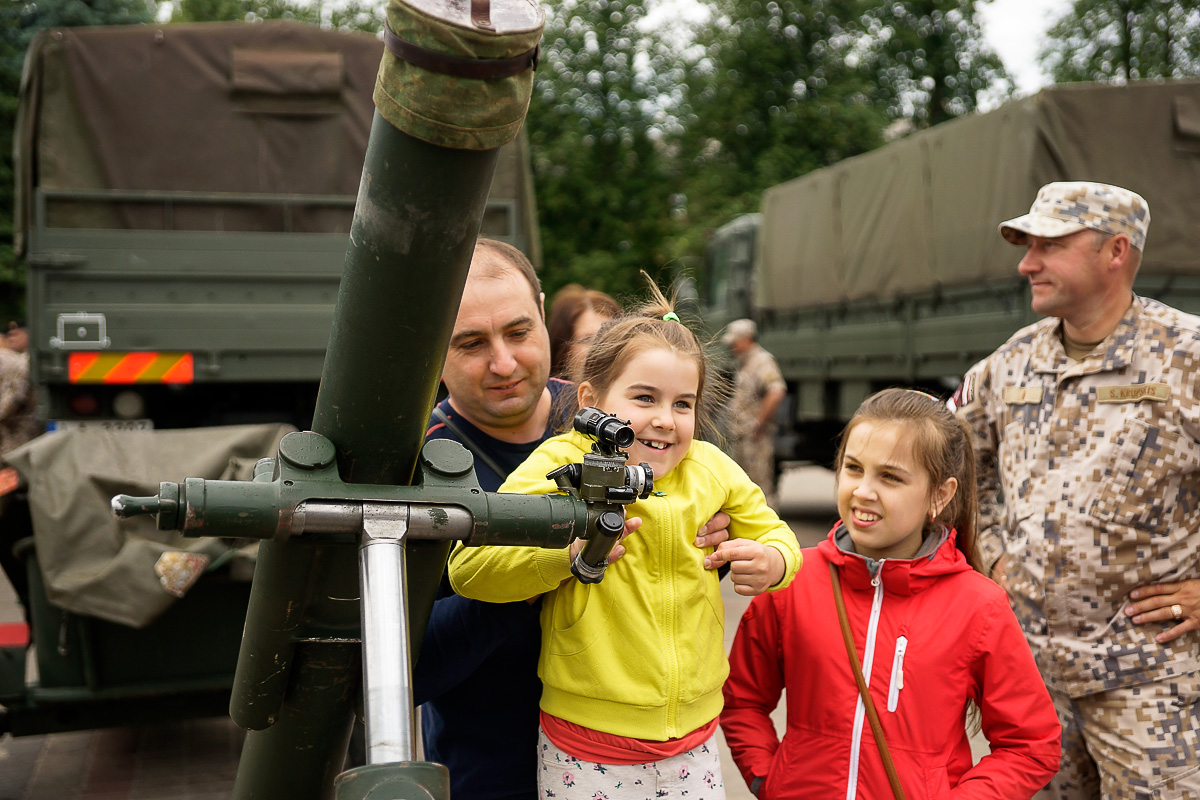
(17, 422)
(1090, 482)
(758, 373)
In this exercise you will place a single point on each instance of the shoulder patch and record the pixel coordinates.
(964, 395)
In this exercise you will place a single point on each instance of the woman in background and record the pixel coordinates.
(576, 314)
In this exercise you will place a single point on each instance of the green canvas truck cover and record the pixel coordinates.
(922, 212)
(275, 108)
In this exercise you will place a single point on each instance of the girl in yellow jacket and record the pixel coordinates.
(632, 667)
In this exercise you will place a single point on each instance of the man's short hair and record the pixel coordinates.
(500, 257)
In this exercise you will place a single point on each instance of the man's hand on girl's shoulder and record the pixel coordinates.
(713, 533)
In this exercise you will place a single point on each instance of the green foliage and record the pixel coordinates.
(641, 145)
(18, 23)
(1119, 40)
(210, 11)
(346, 15)
(774, 92)
(603, 180)
(929, 58)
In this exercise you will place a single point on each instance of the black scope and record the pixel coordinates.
(606, 429)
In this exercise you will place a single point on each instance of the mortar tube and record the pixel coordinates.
(395, 311)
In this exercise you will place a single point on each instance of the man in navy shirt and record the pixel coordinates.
(477, 675)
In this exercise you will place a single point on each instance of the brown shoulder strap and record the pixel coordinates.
(863, 690)
(481, 14)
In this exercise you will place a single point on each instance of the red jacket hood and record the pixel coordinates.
(904, 576)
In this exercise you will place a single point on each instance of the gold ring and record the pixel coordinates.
(1177, 611)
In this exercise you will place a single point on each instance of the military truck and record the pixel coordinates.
(184, 198)
(887, 269)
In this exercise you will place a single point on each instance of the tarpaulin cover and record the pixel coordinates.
(278, 108)
(94, 564)
(274, 108)
(923, 212)
(452, 111)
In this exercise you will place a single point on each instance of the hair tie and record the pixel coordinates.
(927, 395)
(671, 316)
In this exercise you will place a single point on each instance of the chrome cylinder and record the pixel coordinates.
(387, 669)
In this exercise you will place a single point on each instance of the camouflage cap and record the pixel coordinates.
(1071, 206)
(739, 329)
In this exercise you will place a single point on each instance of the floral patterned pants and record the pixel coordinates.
(695, 775)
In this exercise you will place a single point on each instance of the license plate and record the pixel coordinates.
(100, 425)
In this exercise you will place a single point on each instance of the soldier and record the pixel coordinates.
(17, 422)
(477, 674)
(18, 425)
(758, 390)
(1087, 428)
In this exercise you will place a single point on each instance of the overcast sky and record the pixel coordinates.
(1014, 28)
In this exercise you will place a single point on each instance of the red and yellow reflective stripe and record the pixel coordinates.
(117, 368)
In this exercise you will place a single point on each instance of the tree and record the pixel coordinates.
(18, 24)
(359, 15)
(778, 88)
(210, 11)
(595, 125)
(1120, 40)
(930, 59)
(774, 91)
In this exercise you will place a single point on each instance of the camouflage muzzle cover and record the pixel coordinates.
(453, 111)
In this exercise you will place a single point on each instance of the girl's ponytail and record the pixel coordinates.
(655, 324)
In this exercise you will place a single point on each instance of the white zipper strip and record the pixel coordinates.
(860, 711)
(897, 682)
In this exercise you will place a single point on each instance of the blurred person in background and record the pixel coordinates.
(576, 314)
(17, 426)
(758, 389)
(17, 422)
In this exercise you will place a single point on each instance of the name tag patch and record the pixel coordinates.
(1133, 394)
(1022, 395)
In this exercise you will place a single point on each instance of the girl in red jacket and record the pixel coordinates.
(933, 635)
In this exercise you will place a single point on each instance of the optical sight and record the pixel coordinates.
(608, 431)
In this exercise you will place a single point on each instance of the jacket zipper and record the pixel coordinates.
(897, 682)
(672, 650)
(860, 711)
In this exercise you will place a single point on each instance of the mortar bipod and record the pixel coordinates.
(300, 496)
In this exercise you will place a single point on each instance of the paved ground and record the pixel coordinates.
(198, 760)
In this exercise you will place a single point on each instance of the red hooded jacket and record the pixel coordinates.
(931, 634)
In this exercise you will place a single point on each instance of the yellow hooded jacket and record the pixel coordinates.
(640, 654)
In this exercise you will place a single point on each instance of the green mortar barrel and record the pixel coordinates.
(424, 186)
